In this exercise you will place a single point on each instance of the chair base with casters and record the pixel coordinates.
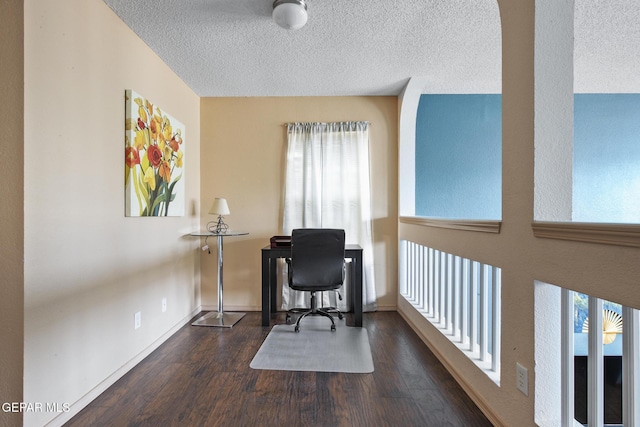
(314, 311)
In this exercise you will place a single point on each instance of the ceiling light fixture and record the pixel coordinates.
(290, 14)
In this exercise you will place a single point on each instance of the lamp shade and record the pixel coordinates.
(219, 207)
(290, 14)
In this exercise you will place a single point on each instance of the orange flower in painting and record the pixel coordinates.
(153, 127)
(175, 145)
(155, 155)
(132, 157)
(165, 171)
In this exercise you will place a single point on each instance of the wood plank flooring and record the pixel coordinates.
(201, 377)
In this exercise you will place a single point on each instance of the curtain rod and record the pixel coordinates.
(344, 121)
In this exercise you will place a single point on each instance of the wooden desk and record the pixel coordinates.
(270, 288)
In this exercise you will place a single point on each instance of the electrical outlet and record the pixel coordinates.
(522, 380)
(137, 320)
(164, 305)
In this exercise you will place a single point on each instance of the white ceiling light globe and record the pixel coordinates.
(290, 14)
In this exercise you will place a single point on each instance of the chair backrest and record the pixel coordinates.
(317, 259)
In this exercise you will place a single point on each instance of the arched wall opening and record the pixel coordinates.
(462, 78)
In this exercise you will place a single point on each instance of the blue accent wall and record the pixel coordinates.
(606, 158)
(459, 156)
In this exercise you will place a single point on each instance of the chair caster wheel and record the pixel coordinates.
(340, 316)
(288, 319)
(333, 328)
(297, 328)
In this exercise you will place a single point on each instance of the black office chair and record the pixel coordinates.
(316, 264)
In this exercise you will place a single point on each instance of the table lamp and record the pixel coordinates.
(220, 208)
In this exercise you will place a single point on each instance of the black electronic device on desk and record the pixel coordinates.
(280, 241)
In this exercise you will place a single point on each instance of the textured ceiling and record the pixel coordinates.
(363, 47)
(607, 46)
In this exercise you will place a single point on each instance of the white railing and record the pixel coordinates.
(596, 394)
(459, 296)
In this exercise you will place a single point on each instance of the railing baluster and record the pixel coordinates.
(567, 354)
(425, 278)
(449, 302)
(415, 267)
(496, 309)
(457, 276)
(429, 281)
(473, 307)
(466, 289)
(414, 271)
(407, 271)
(415, 286)
(436, 286)
(483, 312)
(630, 366)
(402, 273)
(443, 290)
(595, 386)
(420, 279)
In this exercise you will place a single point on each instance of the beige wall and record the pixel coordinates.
(11, 205)
(88, 269)
(243, 150)
(605, 271)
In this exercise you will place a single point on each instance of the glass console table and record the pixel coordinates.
(219, 318)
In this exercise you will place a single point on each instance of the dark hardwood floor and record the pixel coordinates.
(201, 377)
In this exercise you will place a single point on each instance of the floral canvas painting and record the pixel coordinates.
(154, 160)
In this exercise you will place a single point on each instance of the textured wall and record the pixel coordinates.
(458, 156)
(606, 167)
(88, 269)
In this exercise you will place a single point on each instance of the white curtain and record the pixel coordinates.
(328, 186)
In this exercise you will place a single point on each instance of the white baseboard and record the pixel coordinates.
(81, 403)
